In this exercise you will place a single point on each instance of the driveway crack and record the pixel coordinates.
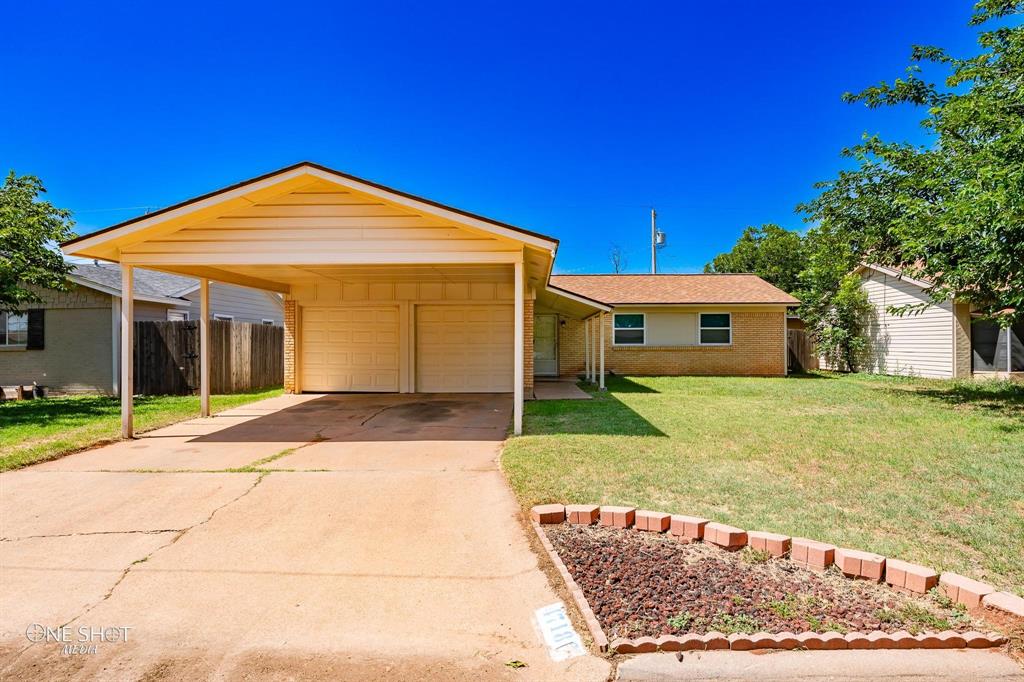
(155, 531)
(179, 533)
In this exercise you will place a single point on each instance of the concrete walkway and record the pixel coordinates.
(338, 537)
(559, 390)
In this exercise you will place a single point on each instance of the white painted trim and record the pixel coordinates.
(517, 377)
(115, 344)
(574, 297)
(127, 351)
(323, 258)
(266, 320)
(204, 347)
(187, 209)
(891, 272)
(586, 350)
(309, 171)
(600, 322)
(431, 209)
(700, 327)
(643, 329)
(222, 317)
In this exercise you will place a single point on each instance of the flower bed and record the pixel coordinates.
(641, 584)
(655, 590)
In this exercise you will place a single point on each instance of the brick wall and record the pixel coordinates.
(757, 350)
(528, 348)
(77, 355)
(289, 346)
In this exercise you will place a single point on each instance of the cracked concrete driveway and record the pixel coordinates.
(347, 537)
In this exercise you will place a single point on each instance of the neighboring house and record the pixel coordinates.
(386, 291)
(941, 341)
(68, 341)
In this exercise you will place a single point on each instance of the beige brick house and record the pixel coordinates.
(717, 324)
(389, 292)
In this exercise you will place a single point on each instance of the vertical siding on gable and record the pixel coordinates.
(912, 344)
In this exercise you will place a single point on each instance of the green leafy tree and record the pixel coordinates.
(839, 325)
(29, 231)
(952, 211)
(769, 251)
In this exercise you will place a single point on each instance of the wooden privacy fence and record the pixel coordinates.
(243, 357)
(802, 353)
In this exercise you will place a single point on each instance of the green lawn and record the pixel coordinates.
(38, 430)
(927, 471)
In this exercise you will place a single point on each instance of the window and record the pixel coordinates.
(266, 321)
(715, 329)
(177, 315)
(223, 318)
(13, 329)
(629, 329)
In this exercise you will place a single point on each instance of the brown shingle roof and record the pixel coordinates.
(689, 289)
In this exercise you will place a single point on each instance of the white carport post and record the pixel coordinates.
(517, 387)
(127, 349)
(586, 349)
(204, 347)
(600, 323)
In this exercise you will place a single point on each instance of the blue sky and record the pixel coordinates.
(566, 118)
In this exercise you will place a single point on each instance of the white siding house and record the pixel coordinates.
(916, 344)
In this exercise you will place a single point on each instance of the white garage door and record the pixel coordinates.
(350, 349)
(464, 348)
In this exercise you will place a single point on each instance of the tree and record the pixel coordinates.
(769, 251)
(29, 230)
(950, 212)
(839, 329)
(618, 258)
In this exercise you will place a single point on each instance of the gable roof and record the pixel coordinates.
(161, 287)
(308, 167)
(893, 272)
(674, 289)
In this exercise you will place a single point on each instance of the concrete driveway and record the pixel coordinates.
(346, 537)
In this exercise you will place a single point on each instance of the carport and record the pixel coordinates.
(383, 291)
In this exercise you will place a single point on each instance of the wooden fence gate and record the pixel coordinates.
(802, 353)
(243, 357)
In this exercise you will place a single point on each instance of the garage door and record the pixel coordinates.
(350, 349)
(464, 348)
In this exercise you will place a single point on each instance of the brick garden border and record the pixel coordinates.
(900, 575)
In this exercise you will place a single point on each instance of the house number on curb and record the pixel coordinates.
(558, 633)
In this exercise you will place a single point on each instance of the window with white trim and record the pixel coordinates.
(223, 318)
(715, 329)
(177, 315)
(629, 329)
(13, 329)
(266, 321)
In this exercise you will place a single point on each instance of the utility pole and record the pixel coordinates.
(654, 242)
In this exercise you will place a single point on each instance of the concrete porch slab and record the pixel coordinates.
(559, 390)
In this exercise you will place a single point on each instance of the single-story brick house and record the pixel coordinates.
(387, 291)
(68, 340)
(942, 341)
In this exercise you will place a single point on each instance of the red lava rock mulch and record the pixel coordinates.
(641, 584)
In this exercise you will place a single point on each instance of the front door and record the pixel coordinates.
(545, 345)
